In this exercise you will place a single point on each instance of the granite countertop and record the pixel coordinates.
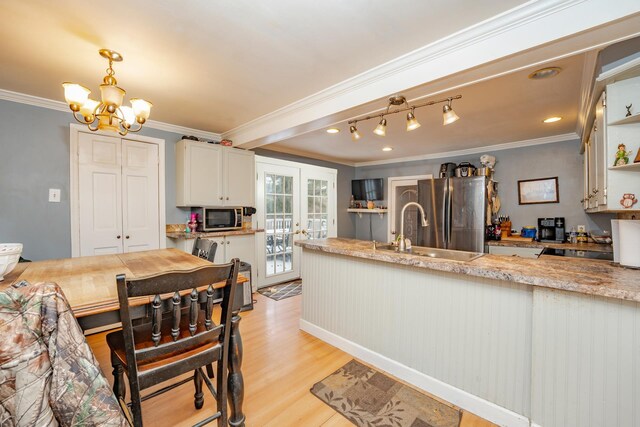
(592, 277)
(193, 235)
(522, 242)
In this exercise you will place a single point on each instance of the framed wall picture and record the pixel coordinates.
(540, 190)
(637, 159)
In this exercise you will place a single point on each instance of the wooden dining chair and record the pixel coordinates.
(169, 346)
(205, 248)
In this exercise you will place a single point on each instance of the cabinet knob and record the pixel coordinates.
(227, 197)
(126, 237)
(118, 236)
(220, 197)
(228, 243)
(581, 201)
(595, 191)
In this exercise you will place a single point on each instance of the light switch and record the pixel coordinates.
(54, 195)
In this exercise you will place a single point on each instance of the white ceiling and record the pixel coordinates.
(501, 110)
(282, 71)
(214, 65)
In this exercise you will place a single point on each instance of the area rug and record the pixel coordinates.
(367, 397)
(282, 291)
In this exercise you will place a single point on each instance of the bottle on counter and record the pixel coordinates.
(573, 235)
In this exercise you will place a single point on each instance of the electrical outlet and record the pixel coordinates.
(54, 195)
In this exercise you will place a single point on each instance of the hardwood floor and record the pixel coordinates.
(281, 363)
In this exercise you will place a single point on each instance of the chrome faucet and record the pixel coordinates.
(402, 246)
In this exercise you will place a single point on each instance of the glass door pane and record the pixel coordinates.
(278, 201)
(318, 206)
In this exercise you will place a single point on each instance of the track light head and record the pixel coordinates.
(355, 135)
(381, 129)
(448, 115)
(412, 122)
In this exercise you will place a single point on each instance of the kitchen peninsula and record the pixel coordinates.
(517, 341)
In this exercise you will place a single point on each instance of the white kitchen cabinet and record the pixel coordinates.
(606, 184)
(239, 177)
(213, 175)
(229, 247)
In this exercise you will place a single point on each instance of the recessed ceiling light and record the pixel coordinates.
(387, 149)
(333, 130)
(552, 119)
(545, 73)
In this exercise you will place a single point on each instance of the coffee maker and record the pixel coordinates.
(551, 230)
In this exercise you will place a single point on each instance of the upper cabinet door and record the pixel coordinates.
(239, 177)
(600, 136)
(198, 174)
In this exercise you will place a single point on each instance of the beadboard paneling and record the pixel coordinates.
(586, 360)
(469, 332)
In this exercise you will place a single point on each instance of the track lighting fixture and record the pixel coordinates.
(355, 135)
(412, 122)
(381, 129)
(448, 115)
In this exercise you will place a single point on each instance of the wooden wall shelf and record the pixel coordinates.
(368, 211)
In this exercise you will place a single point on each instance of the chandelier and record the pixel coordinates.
(108, 114)
(448, 115)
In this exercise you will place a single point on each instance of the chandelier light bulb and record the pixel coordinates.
(381, 129)
(88, 109)
(412, 122)
(141, 108)
(355, 135)
(75, 95)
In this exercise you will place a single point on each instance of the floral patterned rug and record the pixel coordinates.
(367, 397)
(282, 291)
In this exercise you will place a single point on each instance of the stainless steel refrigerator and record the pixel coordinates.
(456, 209)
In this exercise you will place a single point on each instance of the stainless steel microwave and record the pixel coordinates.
(218, 219)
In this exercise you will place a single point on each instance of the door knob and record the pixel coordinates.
(303, 231)
(118, 236)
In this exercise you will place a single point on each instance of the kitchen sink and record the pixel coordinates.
(433, 252)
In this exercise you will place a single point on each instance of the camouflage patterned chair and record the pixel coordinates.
(169, 346)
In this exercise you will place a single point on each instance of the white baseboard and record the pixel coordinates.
(465, 400)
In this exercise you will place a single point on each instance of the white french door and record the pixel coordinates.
(118, 195)
(318, 210)
(278, 199)
(294, 201)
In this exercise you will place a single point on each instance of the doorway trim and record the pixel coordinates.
(74, 192)
(391, 206)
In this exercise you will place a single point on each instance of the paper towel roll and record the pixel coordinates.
(629, 236)
(615, 236)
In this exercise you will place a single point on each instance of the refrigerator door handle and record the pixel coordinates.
(447, 214)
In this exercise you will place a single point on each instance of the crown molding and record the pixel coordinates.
(51, 104)
(497, 147)
(529, 25)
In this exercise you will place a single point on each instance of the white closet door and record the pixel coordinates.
(100, 176)
(140, 218)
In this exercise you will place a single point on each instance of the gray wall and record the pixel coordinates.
(346, 221)
(560, 159)
(34, 147)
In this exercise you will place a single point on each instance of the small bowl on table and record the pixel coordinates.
(9, 257)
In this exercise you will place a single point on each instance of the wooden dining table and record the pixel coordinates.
(89, 284)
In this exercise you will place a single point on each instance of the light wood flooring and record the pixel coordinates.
(281, 363)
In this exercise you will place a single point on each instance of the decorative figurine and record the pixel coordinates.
(622, 156)
(628, 107)
(628, 200)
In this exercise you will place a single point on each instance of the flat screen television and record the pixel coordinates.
(367, 189)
